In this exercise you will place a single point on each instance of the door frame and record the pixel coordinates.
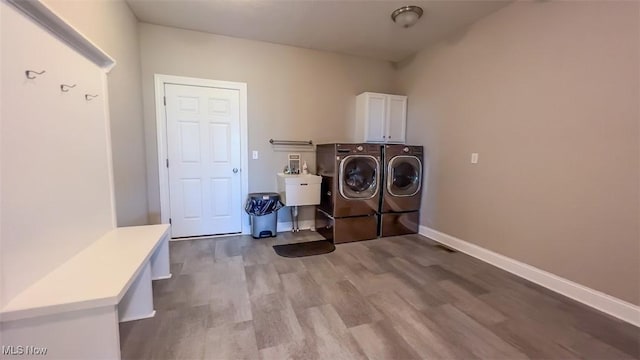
(161, 137)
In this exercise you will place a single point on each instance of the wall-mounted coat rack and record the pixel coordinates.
(66, 88)
(30, 73)
(291, 142)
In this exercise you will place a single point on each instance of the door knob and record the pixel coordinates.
(235, 170)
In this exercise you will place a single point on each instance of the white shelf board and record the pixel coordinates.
(97, 276)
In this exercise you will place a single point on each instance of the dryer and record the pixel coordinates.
(350, 191)
(402, 193)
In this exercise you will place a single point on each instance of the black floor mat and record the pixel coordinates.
(304, 249)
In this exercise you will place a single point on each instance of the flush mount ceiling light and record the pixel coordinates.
(407, 16)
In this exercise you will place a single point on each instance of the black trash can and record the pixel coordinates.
(263, 211)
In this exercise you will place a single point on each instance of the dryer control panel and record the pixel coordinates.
(370, 149)
(403, 150)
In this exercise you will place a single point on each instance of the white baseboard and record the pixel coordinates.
(596, 299)
(206, 237)
(133, 318)
(281, 227)
(162, 277)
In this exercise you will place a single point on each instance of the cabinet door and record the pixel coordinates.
(375, 119)
(397, 119)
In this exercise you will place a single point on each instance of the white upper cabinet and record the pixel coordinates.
(381, 118)
(397, 119)
(375, 117)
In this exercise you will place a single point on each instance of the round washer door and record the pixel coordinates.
(405, 173)
(359, 176)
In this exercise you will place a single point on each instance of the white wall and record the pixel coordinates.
(55, 193)
(547, 93)
(112, 26)
(293, 93)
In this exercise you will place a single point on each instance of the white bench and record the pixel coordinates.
(74, 311)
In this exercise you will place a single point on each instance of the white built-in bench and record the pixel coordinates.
(74, 311)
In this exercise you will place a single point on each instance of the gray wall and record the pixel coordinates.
(547, 93)
(112, 26)
(293, 93)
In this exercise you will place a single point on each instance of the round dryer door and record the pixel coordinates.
(359, 177)
(405, 174)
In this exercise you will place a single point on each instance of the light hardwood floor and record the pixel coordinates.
(392, 298)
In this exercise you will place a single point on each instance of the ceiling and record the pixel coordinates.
(355, 27)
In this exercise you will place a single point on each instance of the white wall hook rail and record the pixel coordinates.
(45, 16)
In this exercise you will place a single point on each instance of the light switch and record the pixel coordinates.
(474, 158)
(254, 154)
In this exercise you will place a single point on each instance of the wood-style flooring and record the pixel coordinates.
(393, 298)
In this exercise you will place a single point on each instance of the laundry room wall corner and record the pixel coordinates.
(112, 26)
(557, 133)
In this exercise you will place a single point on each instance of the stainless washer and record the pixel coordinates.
(402, 194)
(350, 191)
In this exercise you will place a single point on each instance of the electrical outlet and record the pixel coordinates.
(254, 155)
(474, 158)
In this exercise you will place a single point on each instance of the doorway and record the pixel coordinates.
(202, 148)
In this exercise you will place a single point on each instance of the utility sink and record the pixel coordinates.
(299, 190)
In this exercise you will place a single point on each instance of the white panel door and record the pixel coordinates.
(203, 140)
(396, 126)
(376, 114)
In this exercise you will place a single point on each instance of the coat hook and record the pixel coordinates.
(29, 72)
(65, 87)
(90, 97)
